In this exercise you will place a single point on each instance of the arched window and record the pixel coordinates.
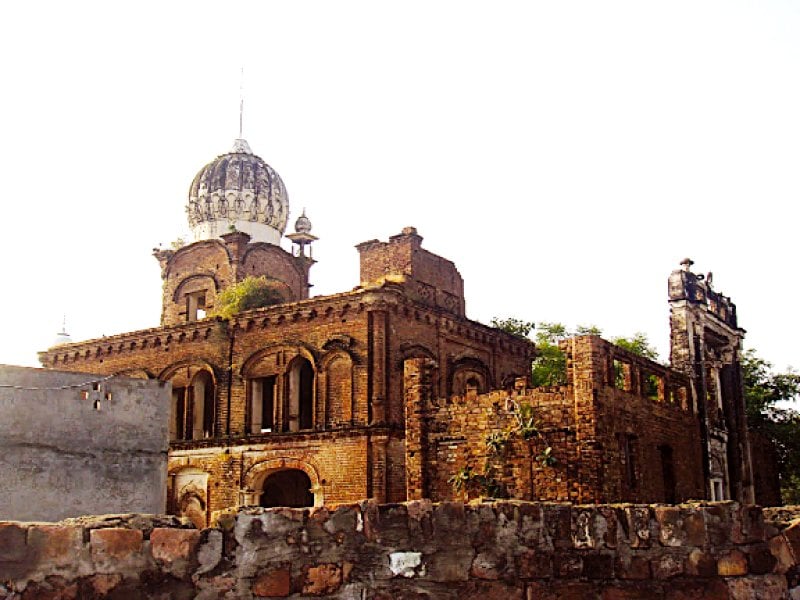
(289, 487)
(301, 395)
(202, 406)
(192, 405)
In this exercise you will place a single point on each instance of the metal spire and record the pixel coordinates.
(241, 100)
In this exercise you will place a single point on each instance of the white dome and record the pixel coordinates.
(238, 191)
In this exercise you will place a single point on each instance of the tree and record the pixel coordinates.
(250, 293)
(513, 326)
(637, 344)
(550, 365)
(766, 395)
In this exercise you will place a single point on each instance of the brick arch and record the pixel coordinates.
(468, 367)
(136, 373)
(180, 255)
(168, 372)
(255, 476)
(413, 351)
(176, 294)
(300, 348)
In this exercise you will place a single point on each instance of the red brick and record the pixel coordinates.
(322, 579)
(732, 564)
(55, 543)
(273, 583)
(169, 545)
(115, 543)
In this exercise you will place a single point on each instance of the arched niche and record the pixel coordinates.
(336, 385)
(189, 495)
(469, 375)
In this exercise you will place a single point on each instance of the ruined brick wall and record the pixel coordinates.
(766, 474)
(610, 444)
(503, 550)
(429, 278)
(644, 433)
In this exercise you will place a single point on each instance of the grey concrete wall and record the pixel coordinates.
(67, 449)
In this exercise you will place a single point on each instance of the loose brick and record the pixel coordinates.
(322, 579)
(115, 545)
(732, 564)
(274, 583)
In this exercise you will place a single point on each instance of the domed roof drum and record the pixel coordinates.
(238, 191)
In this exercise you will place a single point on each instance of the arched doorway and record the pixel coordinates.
(289, 487)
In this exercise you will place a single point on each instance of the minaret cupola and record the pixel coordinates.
(238, 191)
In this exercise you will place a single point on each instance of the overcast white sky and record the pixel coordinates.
(565, 155)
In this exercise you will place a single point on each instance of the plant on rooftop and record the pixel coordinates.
(248, 294)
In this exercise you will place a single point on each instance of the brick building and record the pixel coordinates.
(389, 390)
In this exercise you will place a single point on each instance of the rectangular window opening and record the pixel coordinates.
(652, 383)
(621, 370)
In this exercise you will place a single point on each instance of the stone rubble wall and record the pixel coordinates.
(505, 550)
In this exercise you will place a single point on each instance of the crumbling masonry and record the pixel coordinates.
(389, 391)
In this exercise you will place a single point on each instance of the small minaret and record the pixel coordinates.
(302, 237)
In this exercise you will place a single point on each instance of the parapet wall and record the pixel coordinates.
(504, 550)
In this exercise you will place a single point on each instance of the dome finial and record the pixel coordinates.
(241, 100)
(62, 337)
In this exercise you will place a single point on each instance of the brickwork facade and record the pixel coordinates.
(314, 386)
(389, 391)
(611, 441)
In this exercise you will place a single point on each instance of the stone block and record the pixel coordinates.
(452, 564)
(714, 589)
(768, 587)
(209, 550)
(56, 544)
(760, 560)
(567, 564)
(598, 566)
(701, 564)
(632, 567)
(670, 525)
(694, 526)
(102, 583)
(488, 565)
(732, 564)
(782, 551)
(491, 590)
(115, 548)
(274, 583)
(638, 526)
(562, 590)
(322, 579)
(170, 545)
(792, 536)
(534, 565)
(667, 566)
(629, 592)
(13, 542)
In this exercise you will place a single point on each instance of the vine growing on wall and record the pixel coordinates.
(468, 479)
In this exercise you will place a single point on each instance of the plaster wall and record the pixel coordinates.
(74, 443)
